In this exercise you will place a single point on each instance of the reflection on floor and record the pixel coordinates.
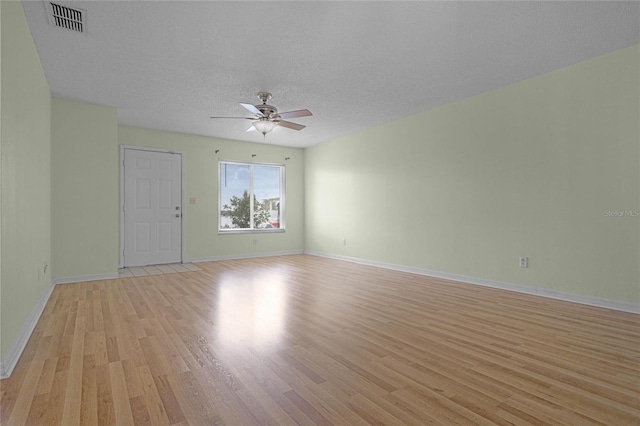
(172, 268)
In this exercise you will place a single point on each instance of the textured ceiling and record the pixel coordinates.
(170, 65)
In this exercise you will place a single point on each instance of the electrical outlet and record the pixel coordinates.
(255, 241)
(344, 241)
(524, 262)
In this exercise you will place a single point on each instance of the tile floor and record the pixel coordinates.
(172, 268)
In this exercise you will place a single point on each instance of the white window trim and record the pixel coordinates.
(283, 203)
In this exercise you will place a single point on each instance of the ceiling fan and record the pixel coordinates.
(266, 117)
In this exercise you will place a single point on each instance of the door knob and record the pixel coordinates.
(177, 214)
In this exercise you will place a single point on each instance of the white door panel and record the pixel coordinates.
(152, 207)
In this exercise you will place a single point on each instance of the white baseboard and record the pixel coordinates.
(244, 256)
(11, 357)
(537, 291)
(78, 279)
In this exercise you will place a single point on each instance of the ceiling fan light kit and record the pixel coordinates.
(266, 117)
(264, 126)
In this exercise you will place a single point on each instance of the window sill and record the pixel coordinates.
(251, 231)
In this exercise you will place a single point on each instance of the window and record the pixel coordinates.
(251, 197)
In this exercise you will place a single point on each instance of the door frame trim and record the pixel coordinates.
(183, 222)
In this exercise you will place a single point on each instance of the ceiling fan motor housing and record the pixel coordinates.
(267, 110)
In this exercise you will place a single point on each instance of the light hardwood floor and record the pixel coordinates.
(307, 340)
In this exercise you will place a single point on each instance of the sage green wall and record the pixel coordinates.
(201, 182)
(26, 190)
(85, 193)
(530, 169)
(1, 350)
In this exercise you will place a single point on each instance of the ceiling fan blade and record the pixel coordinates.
(290, 125)
(252, 109)
(294, 114)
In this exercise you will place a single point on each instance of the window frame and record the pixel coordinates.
(251, 164)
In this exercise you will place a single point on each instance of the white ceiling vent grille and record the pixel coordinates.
(66, 17)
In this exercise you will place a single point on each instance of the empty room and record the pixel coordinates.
(319, 212)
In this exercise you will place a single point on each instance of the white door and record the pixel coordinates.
(152, 207)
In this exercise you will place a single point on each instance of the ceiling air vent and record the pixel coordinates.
(66, 17)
